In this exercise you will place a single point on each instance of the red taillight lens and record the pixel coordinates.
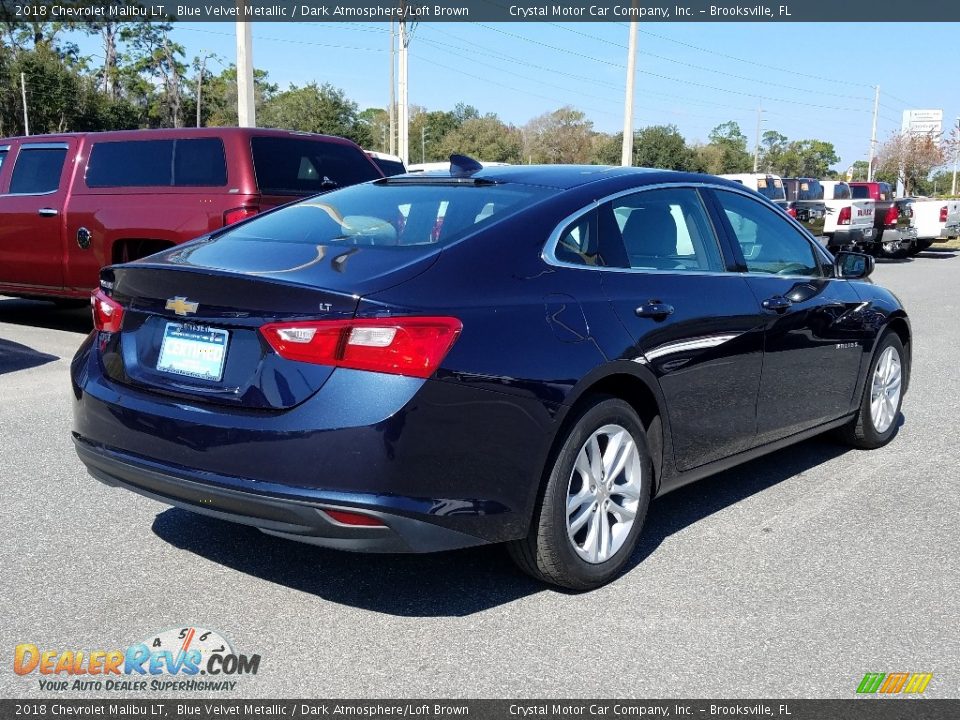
(892, 215)
(943, 214)
(792, 212)
(844, 217)
(413, 346)
(241, 213)
(107, 312)
(349, 518)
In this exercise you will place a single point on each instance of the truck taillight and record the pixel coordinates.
(792, 211)
(239, 213)
(413, 346)
(107, 312)
(943, 214)
(892, 215)
(844, 217)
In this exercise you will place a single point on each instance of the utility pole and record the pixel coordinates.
(626, 154)
(393, 88)
(403, 125)
(956, 156)
(423, 143)
(23, 92)
(246, 107)
(203, 67)
(756, 146)
(873, 132)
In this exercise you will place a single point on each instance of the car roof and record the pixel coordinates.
(168, 133)
(566, 177)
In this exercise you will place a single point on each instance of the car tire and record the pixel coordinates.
(575, 542)
(878, 416)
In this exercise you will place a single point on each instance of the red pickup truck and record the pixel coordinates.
(71, 204)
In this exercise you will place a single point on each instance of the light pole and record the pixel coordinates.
(626, 150)
(956, 154)
(203, 67)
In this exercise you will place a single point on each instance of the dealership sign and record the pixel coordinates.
(921, 122)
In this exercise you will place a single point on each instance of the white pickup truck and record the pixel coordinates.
(849, 223)
(935, 220)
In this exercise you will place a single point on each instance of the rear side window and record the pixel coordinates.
(662, 230)
(197, 162)
(37, 170)
(399, 215)
(3, 156)
(860, 192)
(841, 191)
(811, 190)
(295, 166)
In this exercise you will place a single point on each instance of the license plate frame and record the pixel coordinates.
(193, 351)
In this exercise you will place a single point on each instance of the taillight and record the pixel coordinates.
(844, 217)
(792, 212)
(351, 518)
(240, 213)
(943, 214)
(413, 346)
(107, 312)
(892, 215)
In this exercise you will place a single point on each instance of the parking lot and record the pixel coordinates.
(790, 576)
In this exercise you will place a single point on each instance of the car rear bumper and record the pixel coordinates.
(850, 236)
(948, 232)
(302, 518)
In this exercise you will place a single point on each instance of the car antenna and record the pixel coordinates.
(463, 166)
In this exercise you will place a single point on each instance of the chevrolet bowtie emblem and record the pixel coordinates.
(181, 306)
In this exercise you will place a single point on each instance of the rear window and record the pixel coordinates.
(295, 166)
(771, 187)
(389, 167)
(198, 162)
(391, 214)
(810, 190)
(841, 191)
(860, 192)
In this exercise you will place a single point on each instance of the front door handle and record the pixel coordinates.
(48, 212)
(777, 303)
(654, 309)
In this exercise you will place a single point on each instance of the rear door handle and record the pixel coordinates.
(654, 309)
(48, 212)
(777, 303)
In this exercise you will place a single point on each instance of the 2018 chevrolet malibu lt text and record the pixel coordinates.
(512, 354)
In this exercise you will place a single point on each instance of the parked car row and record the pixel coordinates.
(859, 216)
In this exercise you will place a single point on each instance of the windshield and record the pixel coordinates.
(399, 214)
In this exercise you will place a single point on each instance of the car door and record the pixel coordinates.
(31, 249)
(812, 342)
(694, 323)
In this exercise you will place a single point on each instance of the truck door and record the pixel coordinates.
(31, 208)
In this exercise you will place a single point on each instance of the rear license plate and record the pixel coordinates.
(193, 351)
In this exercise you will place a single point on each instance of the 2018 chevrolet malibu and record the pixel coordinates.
(511, 354)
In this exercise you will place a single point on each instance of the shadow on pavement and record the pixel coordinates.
(14, 357)
(938, 254)
(466, 581)
(39, 313)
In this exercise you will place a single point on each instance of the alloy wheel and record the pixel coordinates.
(885, 390)
(603, 493)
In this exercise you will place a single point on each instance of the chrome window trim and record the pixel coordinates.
(44, 146)
(36, 146)
(549, 257)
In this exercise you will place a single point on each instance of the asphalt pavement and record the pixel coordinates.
(790, 576)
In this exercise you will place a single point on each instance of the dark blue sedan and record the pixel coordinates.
(513, 354)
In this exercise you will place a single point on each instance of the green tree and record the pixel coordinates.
(661, 146)
(427, 131)
(485, 138)
(316, 108)
(807, 158)
(732, 146)
(562, 136)
(220, 96)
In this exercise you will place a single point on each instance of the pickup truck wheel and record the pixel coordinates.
(878, 417)
(594, 502)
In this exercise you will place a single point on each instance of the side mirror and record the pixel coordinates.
(852, 265)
